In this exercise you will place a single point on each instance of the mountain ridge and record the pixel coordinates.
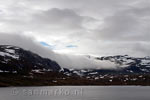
(19, 67)
(18, 59)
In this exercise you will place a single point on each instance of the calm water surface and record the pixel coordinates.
(76, 93)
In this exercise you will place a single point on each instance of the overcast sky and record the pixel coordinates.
(95, 27)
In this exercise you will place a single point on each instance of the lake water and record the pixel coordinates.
(76, 93)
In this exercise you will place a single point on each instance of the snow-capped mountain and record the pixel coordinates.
(18, 60)
(31, 69)
(130, 64)
(124, 65)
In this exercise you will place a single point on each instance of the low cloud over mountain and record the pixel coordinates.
(65, 60)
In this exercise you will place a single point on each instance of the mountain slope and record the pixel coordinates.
(125, 66)
(130, 64)
(19, 67)
(15, 59)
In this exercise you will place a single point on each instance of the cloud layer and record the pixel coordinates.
(64, 60)
(96, 27)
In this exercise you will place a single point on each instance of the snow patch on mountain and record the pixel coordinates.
(9, 55)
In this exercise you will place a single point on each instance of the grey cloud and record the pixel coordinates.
(66, 61)
(128, 24)
(23, 41)
(142, 48)
(59, 18)
(119, 25)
